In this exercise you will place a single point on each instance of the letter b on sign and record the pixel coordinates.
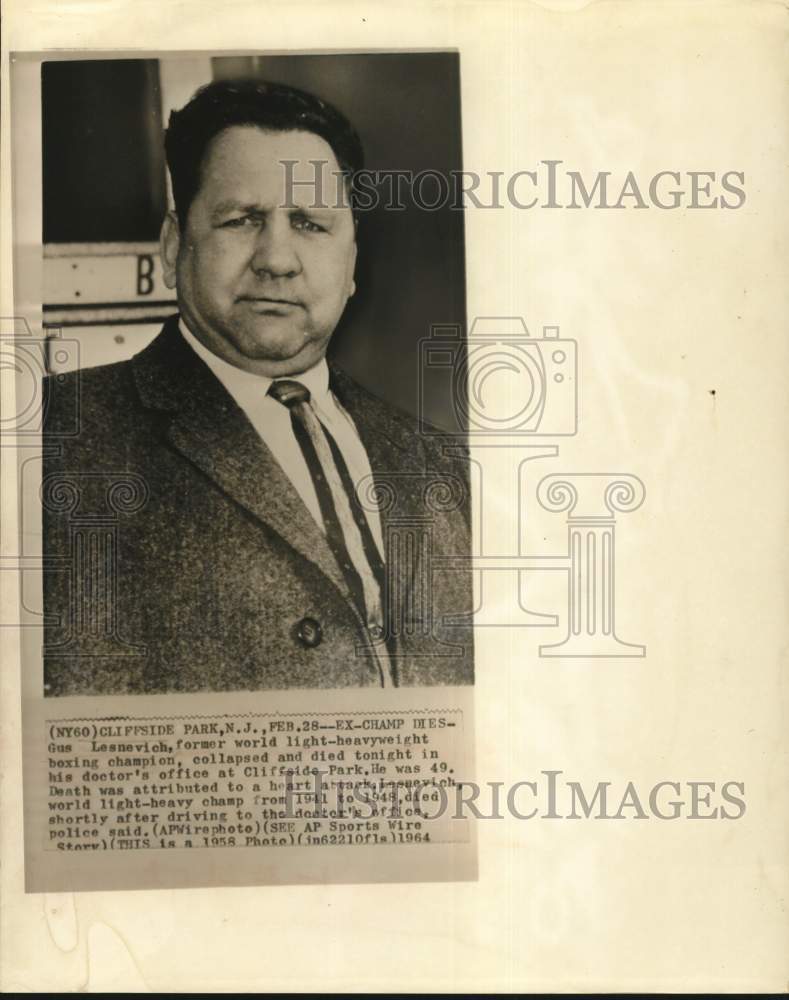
(144, 274)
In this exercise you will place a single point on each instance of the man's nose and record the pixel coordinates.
(275, 250)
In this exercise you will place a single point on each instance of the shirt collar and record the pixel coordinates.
(246, 386)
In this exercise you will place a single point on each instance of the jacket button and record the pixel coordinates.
(309, 632)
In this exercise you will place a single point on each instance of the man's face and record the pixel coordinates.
(261, 284)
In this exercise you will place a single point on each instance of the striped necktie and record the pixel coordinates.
(347, 530)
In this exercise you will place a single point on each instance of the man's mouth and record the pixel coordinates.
(270, 302)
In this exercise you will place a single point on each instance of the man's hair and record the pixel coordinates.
(273, 107)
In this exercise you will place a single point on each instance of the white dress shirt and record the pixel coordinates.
(271, 421)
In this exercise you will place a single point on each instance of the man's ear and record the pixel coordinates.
(169, 242)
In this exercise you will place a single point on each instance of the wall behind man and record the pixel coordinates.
(105, 191)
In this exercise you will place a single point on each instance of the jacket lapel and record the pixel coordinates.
(211, 431)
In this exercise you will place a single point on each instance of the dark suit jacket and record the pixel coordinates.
(179, 557)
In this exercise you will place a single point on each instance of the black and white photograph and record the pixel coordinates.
(226, 508)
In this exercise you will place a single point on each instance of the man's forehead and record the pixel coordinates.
(258, 159)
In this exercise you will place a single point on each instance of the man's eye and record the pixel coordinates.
(237, 223)
(307, 225)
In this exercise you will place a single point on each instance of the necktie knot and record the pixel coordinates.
(289, 392)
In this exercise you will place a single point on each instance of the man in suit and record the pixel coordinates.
(234, 512)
